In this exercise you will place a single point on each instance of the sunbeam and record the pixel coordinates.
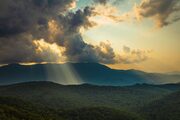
(62, 74)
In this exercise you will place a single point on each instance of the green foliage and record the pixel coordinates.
(167, 108)
(98, 113)
(49, 101)
(17, 109)
(10, 110)
(57, 96)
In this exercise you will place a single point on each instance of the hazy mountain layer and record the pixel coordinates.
(73, 73)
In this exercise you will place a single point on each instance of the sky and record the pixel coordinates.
(163, 42)
(122, 34)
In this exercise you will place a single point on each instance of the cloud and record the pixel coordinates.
(126, 49)
(49, 52)
(23, 16)
(110, 13)
(162, 11)
(22, 23)
(69, 37)
(36, 31)
(16, 49)
(47, 31)
(131, 56)
(106, 53)
(22, 49)
(101, 1)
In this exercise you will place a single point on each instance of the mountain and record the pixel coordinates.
(57, 96)
(51, 101)
(174, 73)
(72, 73)
(17, 109)
(166, 108)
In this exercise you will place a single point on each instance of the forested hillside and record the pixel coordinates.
(51, 101)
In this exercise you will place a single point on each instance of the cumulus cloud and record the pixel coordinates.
(16, 49)
(22, 16)
(110, 13)
(23, 22)
(130, 56)
(106, 53)
(115, 2)
(22, 49)
(101, 1)
(69, 37)
(49, 52)
(126, 49)
(162, 11)
(49, 31)
(108, 10)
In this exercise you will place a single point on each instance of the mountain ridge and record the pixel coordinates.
(68, 96)
(90, 73)
(44, 100)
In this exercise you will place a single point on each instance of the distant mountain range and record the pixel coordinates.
(174, 73)
(80, 73)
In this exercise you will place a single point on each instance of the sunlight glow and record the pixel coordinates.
(62, 74)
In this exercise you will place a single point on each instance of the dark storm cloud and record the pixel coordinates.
(24, 22)
(72, 22)
(76, 49)
(22, 49)
(79, 51)
(18, 16)
(160, 10)
(16, 49)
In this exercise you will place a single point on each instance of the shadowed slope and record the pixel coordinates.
(166, 108)
(58, 96)
(92, 73)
